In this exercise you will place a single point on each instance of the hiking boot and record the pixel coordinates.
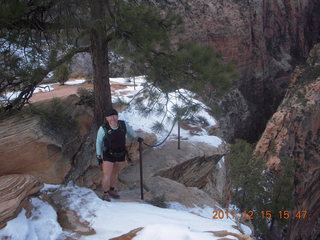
(113, 193)
(105, 197)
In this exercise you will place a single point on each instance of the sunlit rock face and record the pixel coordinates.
(40, 144)
(294, 132)
(264, 39)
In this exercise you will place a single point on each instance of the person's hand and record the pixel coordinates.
(140, 139)
(99, 159)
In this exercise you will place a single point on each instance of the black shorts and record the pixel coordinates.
(109, 158)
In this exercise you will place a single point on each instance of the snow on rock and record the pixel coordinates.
(113, 219)
(171, 231)
(41, 225)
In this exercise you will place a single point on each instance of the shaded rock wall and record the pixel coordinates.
(264, 39)
(294, 132)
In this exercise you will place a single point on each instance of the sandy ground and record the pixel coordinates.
(61, 91)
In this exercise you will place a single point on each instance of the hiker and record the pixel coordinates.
(111, 151)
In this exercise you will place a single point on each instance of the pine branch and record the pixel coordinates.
(37, 76)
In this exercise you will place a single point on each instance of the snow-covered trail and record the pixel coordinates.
(112, 219)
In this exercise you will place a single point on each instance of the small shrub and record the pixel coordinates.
(61, 74)
(86, 97)
(54, 115)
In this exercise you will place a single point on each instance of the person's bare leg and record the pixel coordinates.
(107, 168)
(118, 166)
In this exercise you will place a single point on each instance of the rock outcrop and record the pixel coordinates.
(294, 132)
(130, 235)
(166, 190)
(68, 218)
(14, 192)
(44, 142)
(264, 39)
(190, 175)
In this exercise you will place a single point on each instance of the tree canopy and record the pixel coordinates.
(37, 36)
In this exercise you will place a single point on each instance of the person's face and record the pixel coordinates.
(112, 120)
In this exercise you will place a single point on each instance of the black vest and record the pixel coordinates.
(114, 141)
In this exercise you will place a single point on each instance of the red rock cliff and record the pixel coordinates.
(264, 39)
(294, 131)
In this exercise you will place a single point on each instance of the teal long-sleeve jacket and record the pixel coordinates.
(101, 134)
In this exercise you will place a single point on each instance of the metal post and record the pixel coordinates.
(141, 173)
(134, 83)
(178, 132)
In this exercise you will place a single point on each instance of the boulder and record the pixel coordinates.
(128, 236)
(133, 146)
(165, 157)
(192, 166)
(43, 142)
(68, 219)
(14, 192)
(166, 190)
(197, 172)
(226, 233)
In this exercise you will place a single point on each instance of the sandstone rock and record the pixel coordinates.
(44, 144)
(128, 236)
(314, 56)
(166, 190)
(67, 218)
(294, 133)
(194, 165)
(166, 157)
(133, 148)
(226, 233)
(91, 178)
(263, 39)
(197, 172)
(14, 191)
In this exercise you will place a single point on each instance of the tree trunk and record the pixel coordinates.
(99, 53)
(101, 86)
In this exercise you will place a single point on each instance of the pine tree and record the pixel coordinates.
(260, 190)
(247, 176)
(38, 36)
(282, 191)
(61, 74)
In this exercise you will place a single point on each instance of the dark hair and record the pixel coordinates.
(111, 112)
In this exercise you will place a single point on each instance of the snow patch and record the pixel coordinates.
(41, 225)
(75, 82)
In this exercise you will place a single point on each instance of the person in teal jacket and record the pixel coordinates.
(111, 151)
